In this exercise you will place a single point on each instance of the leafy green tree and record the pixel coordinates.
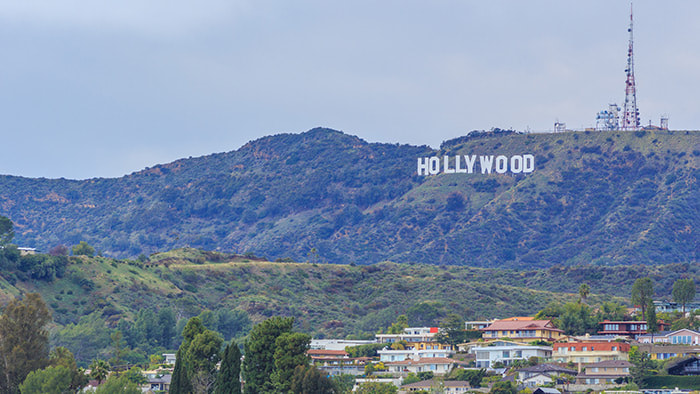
(307, 379)
(72, 336)
(99, 369)
(61, 356)
(193, 327)
(343, 383)
(202, 356)
(166, 327)
(117, 347)
(410, 378)
(642, 366)
(399, 325)
(24, 341)
(573, 317)
(229, 379)
(7, 231)
(652, 322)
(550, 312)
(683, 291)
(577, 319)
(118, 385)
(196, 359)
(83, 249)
(51, 380)
(502, 387)
(473, 376)
(368, 350)
(260, 352)
(376, 388)
(642, 293)
(135, 374)
(290, 352)
(452, 331)
(609, 310)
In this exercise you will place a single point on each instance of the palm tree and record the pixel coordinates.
(99, 369)
(583, 291)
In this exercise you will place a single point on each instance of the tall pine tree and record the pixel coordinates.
(181, 383)
(229, 379)
(260, 353)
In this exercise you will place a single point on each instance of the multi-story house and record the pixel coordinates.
(410, 335)
(541, 374)
(627, 328)
(436, 365)
(415, 353)
(506, 353)
(664, 352)
(605, 373)
(337, 362)
(522, 330)
(678, 337)
(590, 352)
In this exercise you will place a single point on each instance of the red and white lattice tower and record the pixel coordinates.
(630, 115)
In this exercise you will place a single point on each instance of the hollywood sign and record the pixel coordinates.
(466, 164)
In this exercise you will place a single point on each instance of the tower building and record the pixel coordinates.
(630, 114)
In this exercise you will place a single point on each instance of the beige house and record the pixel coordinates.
(522, 330)
(610, 372)
(436, 365)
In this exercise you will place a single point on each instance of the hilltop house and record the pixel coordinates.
(685, 366)
(436, 365)
(337, 362)
(668, 307)
(507, 352)
(678, 337)
(627, 328)
(541, 374)
(605, 373)
(522, 330)
(664, 352)
(590, 352)
(415, 353)
(410, 335)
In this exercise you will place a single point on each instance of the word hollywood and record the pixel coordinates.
(465, 164)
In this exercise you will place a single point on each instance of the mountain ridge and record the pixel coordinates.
(602, 198)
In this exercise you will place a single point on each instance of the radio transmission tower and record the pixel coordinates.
(630, 117)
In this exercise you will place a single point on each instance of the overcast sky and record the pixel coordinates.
(104, 88)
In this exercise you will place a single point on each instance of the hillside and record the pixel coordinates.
(327, 300)
(325, 196)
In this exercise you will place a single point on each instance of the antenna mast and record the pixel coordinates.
(630, 117)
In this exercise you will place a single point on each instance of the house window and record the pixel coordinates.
(584, 348)
(506, 354)
(614, 348)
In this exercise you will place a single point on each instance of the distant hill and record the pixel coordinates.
(325, 196)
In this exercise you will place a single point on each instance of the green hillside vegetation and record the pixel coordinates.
(595, 197)
(91, 297)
